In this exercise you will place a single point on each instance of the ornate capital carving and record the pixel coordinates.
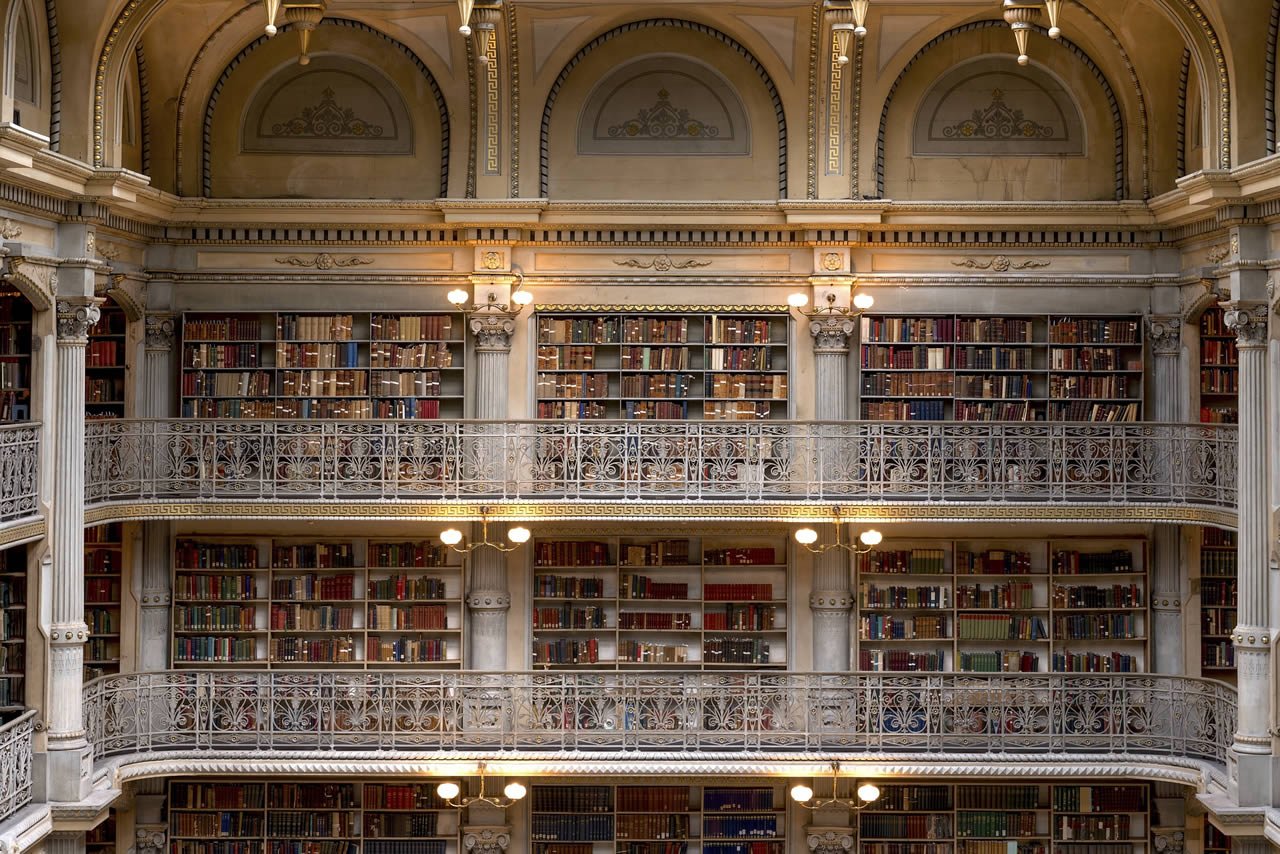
(487, 839)
(829, 840)
(150, 839)
(493, 330)
(1249, 320)
(159, 332)
(831, 334)
(1165, 333)
(76, 317)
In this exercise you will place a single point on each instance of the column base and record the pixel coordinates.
(67, 773)
(1256, 776)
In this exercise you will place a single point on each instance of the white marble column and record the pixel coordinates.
(1252, 634)
(155, 597)
(1165, 334)
(68, 756)
(489, 598)
(831, 600)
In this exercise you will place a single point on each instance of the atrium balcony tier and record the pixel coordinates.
(873, 471)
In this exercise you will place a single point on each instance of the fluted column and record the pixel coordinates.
(830, 600)
(1252, 634)
(156, 596)
(1165, 334)
(67, 778)
(489, 598)
(66, 842)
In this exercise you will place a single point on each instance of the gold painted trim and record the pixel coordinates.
(23, 532)
(637, 309)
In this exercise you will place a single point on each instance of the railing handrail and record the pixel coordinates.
(655, 422)
(678, 712)
(17, 763)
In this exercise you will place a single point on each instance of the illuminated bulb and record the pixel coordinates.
(450, 537)
(868, 792)
(448, 790)
(871, 537)
(863, 301)
(522, 298)
(515, 791)
(798, 300)
(458, 296)
(518, 534)
(800, 793)
(806, 536)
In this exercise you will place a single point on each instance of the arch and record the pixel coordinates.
(28, 66)
(677, 23)
(442, 108)
(1269, 98)
(1113, 103)
(35, 278)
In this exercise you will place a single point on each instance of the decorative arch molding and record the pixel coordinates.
(1117, 117)
(206, 174)
(1269, 102)
(1211, 297)
(130, 293)
(676, 23)
(144, 109)
(35, 278)
(55, 76)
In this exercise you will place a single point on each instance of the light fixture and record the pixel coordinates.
(861, 303)
(449, 792)
(867, 540)
(867, 793)
(518, 299)
(519, 535)
(1022, 17)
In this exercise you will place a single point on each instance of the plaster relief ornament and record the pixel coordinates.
(1002, 264)
(661, 263)
(325, 261)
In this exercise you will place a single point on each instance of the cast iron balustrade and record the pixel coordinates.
(1022, 717)
(16, 766)
(1187, 466)
(19, 472)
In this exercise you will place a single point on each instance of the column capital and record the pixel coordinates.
(829, 840)
(831, 334)
(1164, 331)
(486, 839)
(493, 330)
(160, 329)
(1249, 320)
(150, 839)
(76, 316)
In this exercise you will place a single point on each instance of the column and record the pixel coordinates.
(830, 600)
(489, 599)
(1252, 634)
(68, 756)
(1165, 334)
(830, 838)
(156, 596)
(64, 842)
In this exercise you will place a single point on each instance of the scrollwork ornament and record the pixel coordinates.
(831, 334)
(486, 840)
(150, 840)
(159, 332)
(75, 319)
(1249, 323)
(493, 330)
(829, 840)
(1165, 334)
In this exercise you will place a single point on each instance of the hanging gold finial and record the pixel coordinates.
(1022, 17)
(273, 11)
(305, 17)
(1054, 8)
(464, 9)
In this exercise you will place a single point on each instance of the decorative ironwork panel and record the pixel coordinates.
(16, 768)
(19, 472)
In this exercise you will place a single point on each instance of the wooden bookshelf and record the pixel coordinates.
(997, 818)
(712, 366)
(361, 365)
(103, 585)
(102, 839)
(291, 602)
(1002, 606)
(15, 357)
(104, 365)
(637, 602)
(1215, 841)
(13, 631)
(1015, 368)
(1219, 404)
(220, 816)
(1219, 370)
(658, 819)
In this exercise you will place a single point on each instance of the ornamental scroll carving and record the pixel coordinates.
(1249, 322)
(159, 332)
(1165, 334)
(486, 840)
(76, 318)
(1002, 264)
(829, 840)
(661, 263)
(493, 330)
(325, 261)
(831, 334)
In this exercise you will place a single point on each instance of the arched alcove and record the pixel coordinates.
(27, 74)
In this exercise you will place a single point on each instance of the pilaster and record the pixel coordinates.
(1165, 334)
(66, 842)
(1252, 634)
(158, 396)
(156, 401)
(830, 604)
(823, 839)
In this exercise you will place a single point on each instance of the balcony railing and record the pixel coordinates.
(1187, 465)
(19, 472)
(675, 713)
(16, 767)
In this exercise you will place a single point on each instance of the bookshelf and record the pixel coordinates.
(361, 365)
(1215, 841)
(290, 602)
(13, 631)
(1001, 606)
(1014, 368)
(102, 839)
(1219, 404)
(103, 583)
(104, 365)
(712, 366)
(15, 357)
(1005, 819)
(219, 816)
(653, 602)
(658, 819)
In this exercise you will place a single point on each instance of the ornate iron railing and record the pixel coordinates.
(454, 712)
(19, 472)
(16, 766)
(846, 462)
